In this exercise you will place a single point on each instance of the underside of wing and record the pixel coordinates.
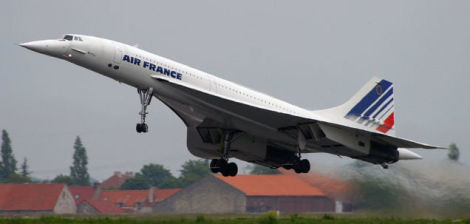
(275, 134)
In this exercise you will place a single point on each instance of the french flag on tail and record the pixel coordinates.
(373, 106)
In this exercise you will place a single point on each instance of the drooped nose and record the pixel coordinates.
(54, 48)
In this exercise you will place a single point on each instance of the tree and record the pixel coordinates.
(193, 170)
(62, 179)
(454, 152)
(8, 164)
(159, 176)
(15, 178)
(24, 168)
(257, 169)
(79, 171)
(139, 182)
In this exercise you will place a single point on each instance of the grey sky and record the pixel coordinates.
(314, 54)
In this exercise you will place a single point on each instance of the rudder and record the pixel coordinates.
(372, 106)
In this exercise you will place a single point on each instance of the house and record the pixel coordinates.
(81, 193)
(340, 190)
(99, 207)
(116, 180)
(36, 198)
(247, 193)
(136, 200)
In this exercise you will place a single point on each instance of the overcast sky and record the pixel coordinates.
(314, 54)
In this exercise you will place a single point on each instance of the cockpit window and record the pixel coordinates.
(68, 37)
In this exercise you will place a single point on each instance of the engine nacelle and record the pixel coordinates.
(381, 153)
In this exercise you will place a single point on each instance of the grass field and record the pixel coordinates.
(216, 219)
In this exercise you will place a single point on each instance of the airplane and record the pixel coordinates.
(226, 120)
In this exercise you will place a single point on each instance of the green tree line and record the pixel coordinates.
(149, 175)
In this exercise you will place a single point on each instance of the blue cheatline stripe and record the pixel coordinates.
(384, 106)
(367, 100)
(379, 102)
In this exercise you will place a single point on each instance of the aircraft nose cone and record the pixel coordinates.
(53, 48)
(38, 46)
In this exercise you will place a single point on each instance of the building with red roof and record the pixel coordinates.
(247, 193)
(98, 207)
(136, 200)
(115, 181)
(81, 193)
(36, 198)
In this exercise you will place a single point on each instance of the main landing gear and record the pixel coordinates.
(300, 165)
(222, 165)
(145, 98)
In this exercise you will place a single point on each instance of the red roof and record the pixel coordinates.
(271, 185)
(116, 180)
(81, 193)
(104, 207)
(32, 197)
(333, 187)
(162, 194)
(128, 198)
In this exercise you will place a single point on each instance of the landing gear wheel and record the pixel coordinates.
(145, 128)
(222, 166)
(141, 128)
(232, 169)
(225, 171)
(213, 166)
(303, 166)
(287, 167)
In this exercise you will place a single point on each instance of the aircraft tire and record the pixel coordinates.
(213, 166)
(304, 166)
(222, 166)
(138, 128)
(287, 167)
(232, 169)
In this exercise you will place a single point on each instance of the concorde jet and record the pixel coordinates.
(226, 120)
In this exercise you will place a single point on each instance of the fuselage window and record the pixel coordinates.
(68, 37)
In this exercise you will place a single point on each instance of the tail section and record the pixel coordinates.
(372, 106)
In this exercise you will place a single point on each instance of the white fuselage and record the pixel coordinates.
(269, 131)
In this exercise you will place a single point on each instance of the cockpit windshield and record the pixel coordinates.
(68, 37)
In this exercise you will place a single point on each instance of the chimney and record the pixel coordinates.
(97, 191)
(151, 194)
(96, 185)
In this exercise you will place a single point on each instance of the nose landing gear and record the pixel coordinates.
(145, 98)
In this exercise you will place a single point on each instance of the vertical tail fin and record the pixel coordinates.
(372, 106)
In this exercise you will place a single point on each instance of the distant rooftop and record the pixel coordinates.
(272, 185)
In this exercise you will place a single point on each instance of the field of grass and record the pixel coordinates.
(216, 219)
